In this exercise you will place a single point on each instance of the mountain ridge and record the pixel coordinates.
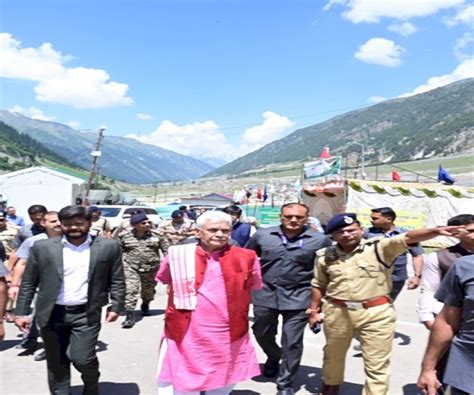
(122, 158)
(438, 122)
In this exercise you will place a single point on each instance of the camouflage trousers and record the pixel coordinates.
(138, 283)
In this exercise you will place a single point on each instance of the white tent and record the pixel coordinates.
(417, 205)
(40, 185)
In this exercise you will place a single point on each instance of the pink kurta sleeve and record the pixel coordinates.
(256, 275)
(164, 274)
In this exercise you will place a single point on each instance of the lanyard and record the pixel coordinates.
(284, 240)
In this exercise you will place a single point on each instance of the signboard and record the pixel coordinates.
(407, 220)
(269, 216)
(322, 168)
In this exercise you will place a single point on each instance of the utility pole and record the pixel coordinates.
(95, 155)
(362, 158)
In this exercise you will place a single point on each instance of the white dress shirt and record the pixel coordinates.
(76, 273)
(428, 306)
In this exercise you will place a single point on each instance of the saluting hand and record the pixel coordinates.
(450, 231)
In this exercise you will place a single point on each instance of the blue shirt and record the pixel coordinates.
(400, 265)
(287, 267)
(17, 220)
(457, 290)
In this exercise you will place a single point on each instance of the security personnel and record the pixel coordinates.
(141, 248)
(178, 229)
(355, 278)
(287, 253)
(8, 232)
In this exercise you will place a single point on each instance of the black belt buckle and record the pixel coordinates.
(79, 308)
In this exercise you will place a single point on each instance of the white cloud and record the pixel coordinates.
(463, 43)
(198, 139)
(405, 29)
(74, 124)
(205, 139)
(78, 87)
(272, 128)
(376, 99)
(32, 112)
(380, 51)
(373, 10)
(465, 15)
(144, 117)
(464, 70)
(329, 5)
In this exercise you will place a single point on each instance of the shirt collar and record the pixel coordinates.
(66, 242)
(394, 231)
(279, 231)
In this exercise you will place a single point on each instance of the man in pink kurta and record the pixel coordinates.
(206, 358)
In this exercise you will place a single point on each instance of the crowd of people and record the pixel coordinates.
(60, 271)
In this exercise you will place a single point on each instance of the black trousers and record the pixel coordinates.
(396, 289)
(67, 338)
(265, 330)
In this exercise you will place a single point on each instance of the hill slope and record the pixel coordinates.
(122, 158)
(438, 122)
(18, 151)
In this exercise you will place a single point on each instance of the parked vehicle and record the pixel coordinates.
(115, 214)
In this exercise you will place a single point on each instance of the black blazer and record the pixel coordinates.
(45, 271)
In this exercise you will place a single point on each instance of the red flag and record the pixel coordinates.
(325, 154)
(396, 176)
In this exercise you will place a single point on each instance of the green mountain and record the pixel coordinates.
(437, 123)
(122, 158)
(18, 151)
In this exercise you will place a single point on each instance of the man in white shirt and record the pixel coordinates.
(51, 224)
(438, 263)
(75, 277)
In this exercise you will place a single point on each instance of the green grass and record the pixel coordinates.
(66, 169)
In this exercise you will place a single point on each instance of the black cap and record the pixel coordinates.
(177, 214)
(340, 221)
(137, 218)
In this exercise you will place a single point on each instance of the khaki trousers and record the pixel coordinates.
(374, 327)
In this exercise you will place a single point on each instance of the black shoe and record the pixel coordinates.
(145, 308)
(270, 369)
(286, 391)
(28, 344)
(40, 356)
(129, 320)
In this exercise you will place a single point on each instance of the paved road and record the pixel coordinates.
(128, 359)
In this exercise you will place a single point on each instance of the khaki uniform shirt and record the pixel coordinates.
(7, 235)
(143, 253)
(177, 233)
(99, 227)
(358, 275)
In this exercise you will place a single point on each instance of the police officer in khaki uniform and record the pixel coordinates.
(141, 247)
(178, 229)
(355, 279)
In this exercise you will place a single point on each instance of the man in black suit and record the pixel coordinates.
(75, 275)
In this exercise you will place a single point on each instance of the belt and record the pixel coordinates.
(76, 309)
(365, 304)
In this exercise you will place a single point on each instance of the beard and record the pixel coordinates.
(76, 234)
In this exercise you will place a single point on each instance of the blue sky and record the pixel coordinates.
(222, 78)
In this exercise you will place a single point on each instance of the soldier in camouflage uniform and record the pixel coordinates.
(141, 248)
(8, 232)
